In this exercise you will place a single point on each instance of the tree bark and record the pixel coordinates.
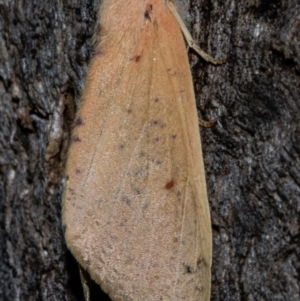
(252, 154)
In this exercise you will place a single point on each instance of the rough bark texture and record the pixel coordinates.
(251, 154)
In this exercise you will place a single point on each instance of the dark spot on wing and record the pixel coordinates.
(188, 269)
(153, 122)
(157, 122)
(78, 121)
(158, 162)
(142, 153)
(99, 201)
(121, 146)
(76, 139)
(156, 139)
(148, 11)
(142, 171)
(136, 58)
(145, 206)
(77, 171)
(126, 200)
(129, 111)
(169, 185)
(72, 191)
(137, 190)
(172, 71)
(174, 136)
(121, 224)
(156, 99)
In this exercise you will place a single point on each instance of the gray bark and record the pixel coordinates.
(252, 154)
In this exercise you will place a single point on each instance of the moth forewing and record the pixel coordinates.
(135, 204)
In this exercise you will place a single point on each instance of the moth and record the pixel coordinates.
(135, 205)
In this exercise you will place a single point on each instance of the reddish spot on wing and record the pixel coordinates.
(136, 58)
(148, 11)
(169, 185)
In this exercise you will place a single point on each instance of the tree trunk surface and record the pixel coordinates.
(251, 154)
